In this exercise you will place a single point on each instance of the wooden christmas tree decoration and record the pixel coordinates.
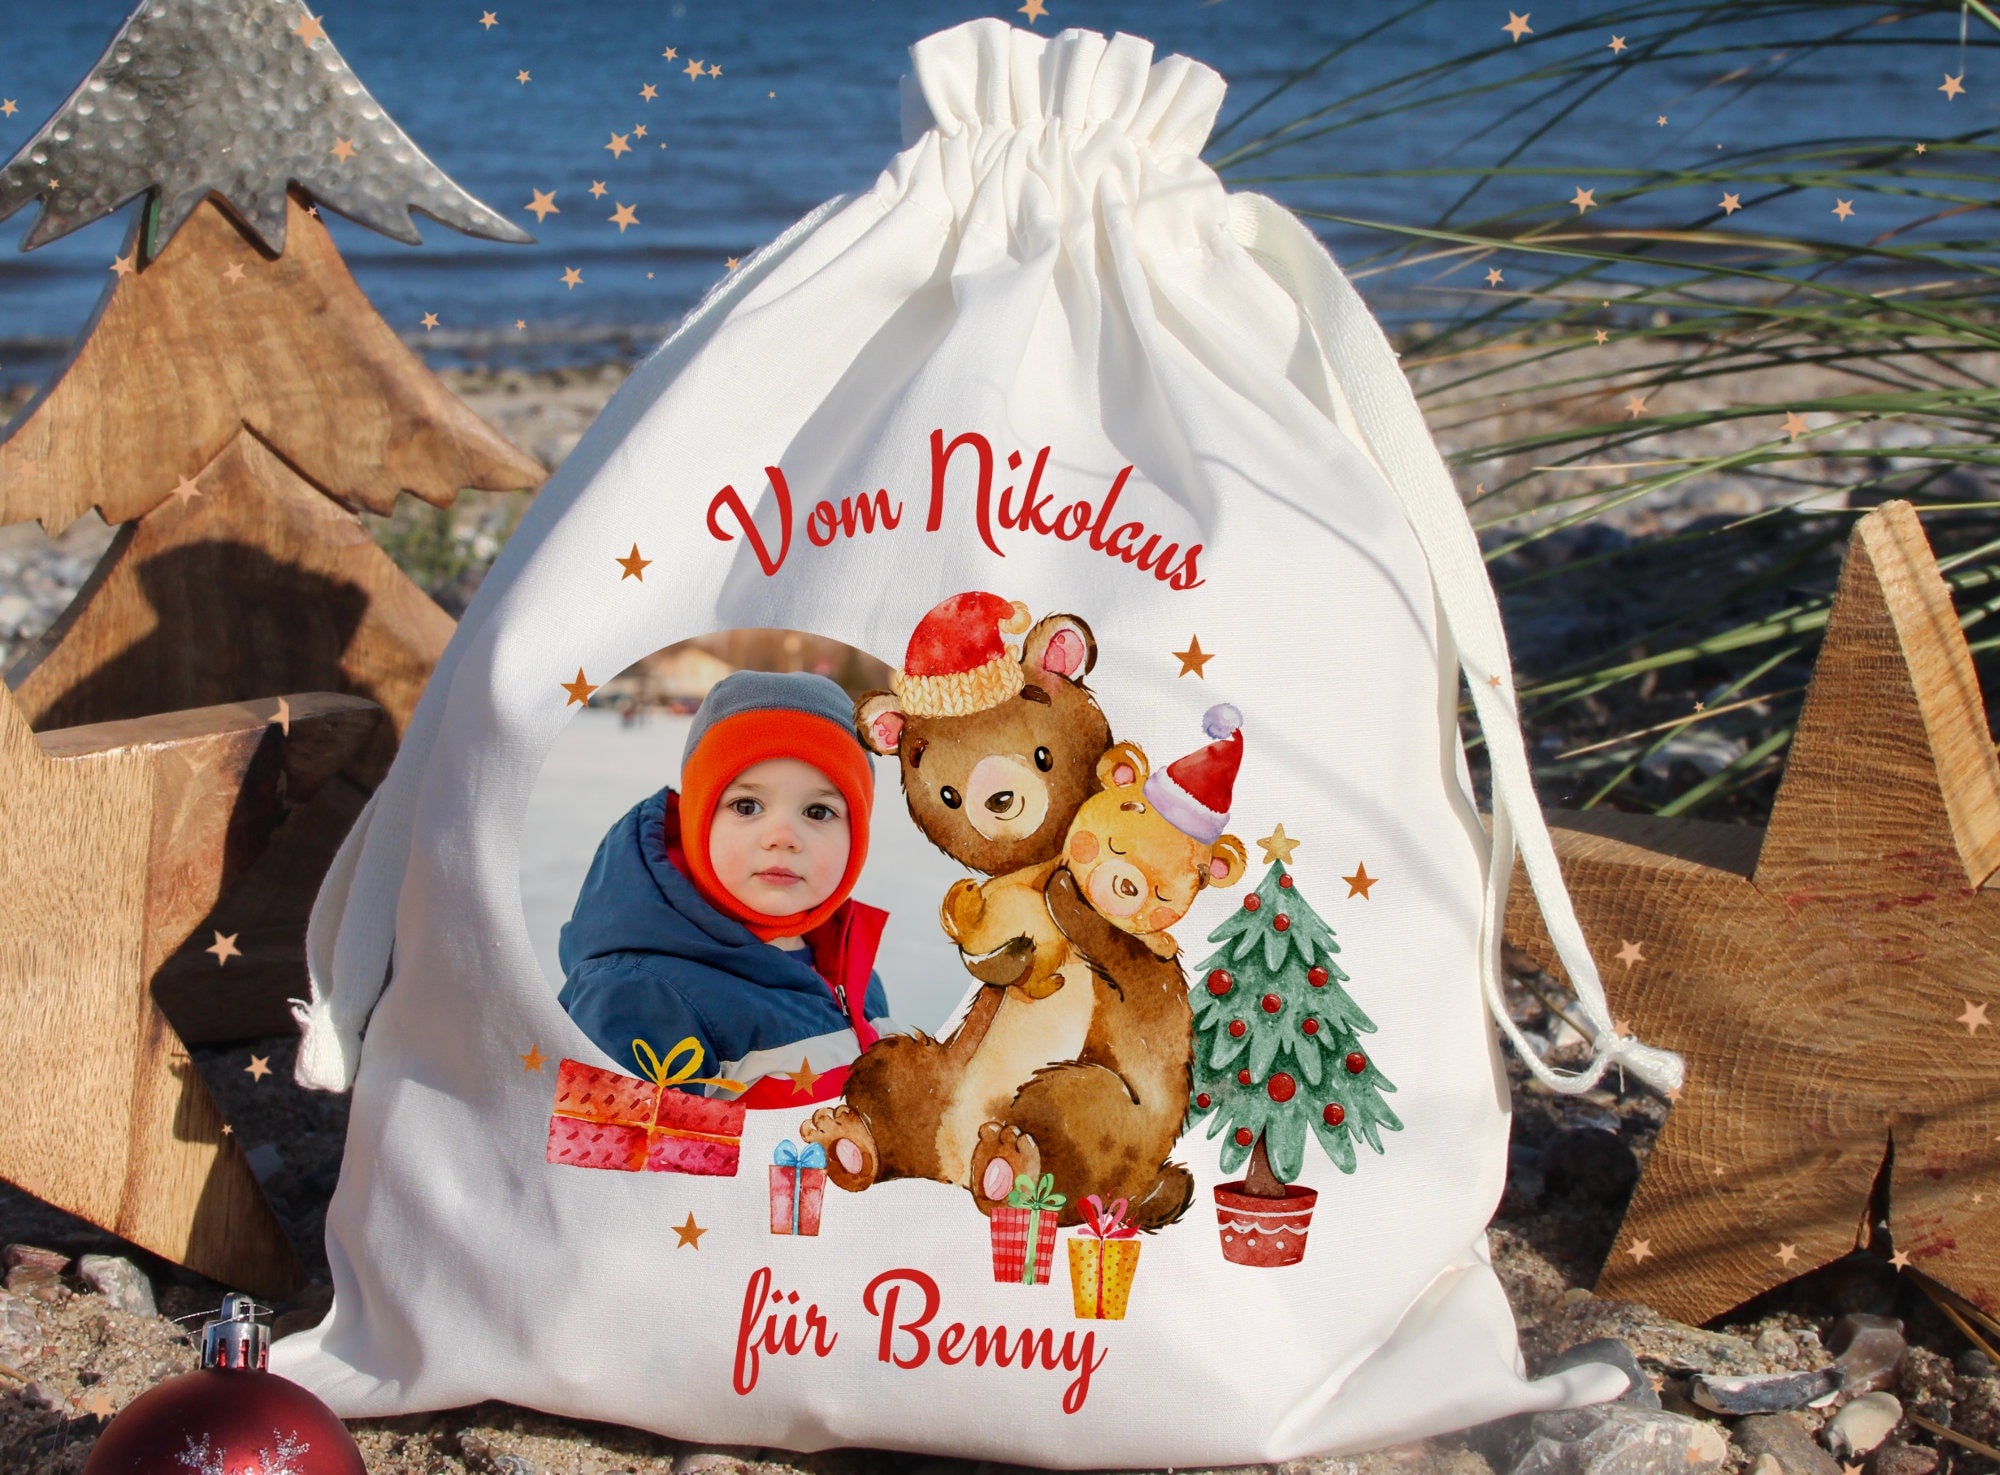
(1827, 979)
(233, 403)
(120, 839)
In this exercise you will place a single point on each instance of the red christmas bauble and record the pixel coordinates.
(1356, 1063)
(1244, 1136)
(1236, 1028)
(1281, 922)
(1282, 1087)
(1272, 1003)
(1220, 983)
(1334, 1115)
(1285, 882)
(1250, 902)
(1311, 1026)
(1242, 1077)
(1202, 1101)
(229, 1416)
(1316, 976)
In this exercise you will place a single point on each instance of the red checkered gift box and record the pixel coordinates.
(1024, 1231)
(602, 1119)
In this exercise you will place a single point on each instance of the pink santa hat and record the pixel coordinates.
(1194, 793)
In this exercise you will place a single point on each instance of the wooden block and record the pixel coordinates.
(1828, 980)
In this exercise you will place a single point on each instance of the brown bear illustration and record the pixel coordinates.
(999, 750)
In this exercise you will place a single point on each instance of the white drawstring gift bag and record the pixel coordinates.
(1117, 473)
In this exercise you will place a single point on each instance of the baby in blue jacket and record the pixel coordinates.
(722, 913)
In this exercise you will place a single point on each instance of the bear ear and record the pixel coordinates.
(879, 721)
(1227, 863)
(1059, 645)
(1123, 765)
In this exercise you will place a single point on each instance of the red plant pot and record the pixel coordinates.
(1264, 1231)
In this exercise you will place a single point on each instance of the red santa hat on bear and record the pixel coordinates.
(957, 664)
(1194, 792)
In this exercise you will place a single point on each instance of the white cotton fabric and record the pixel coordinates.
(1048, 262)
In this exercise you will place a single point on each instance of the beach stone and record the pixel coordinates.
(1652, 1337)
(20, 1331)
(17, 1256)
(1766, 1464)
(1609, 1349)
(1618, 1439)
(120, 1282)
(1760, 1393)
(1419, 1457)
(1786, 1440)
(37, 1283)
(1869, 1351)
(1903, 1459)
(1863, 1424)
(1976, 1364)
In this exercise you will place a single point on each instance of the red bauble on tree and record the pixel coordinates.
(1282, 922)
(1219, 982)
(229, 1418)
(1281, 1087)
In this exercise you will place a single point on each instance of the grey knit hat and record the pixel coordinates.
(784, 691)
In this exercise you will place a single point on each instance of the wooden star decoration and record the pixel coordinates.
(1194, 658)
(1813, 974)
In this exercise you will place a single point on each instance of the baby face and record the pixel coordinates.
(779, 840)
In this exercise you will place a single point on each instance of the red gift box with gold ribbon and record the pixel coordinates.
(602, 1119)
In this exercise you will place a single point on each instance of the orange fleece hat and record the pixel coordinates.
(746, 718)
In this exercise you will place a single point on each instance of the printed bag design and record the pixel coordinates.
(1115, 474)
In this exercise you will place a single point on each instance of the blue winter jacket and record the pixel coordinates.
(645, 957)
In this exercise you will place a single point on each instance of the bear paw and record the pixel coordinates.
(851, 1159)
(1002, 1154)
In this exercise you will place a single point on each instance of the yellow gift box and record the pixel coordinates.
(1103, 1258)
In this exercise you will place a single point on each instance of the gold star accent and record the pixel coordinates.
(309, 30)
(618, 146)
(1795, 424)
(1635, 406)
(488, 19)
(633, 564)
(234, 273)
(126, 265)
(623, 216)
(343, 149)
(533, 1059)
(313, 211)
(649, 92)
(259, 1067)
(1675, 1095)
(224, 948)
(1639, 1249)
(283, 716)
(99, 1405)
(430, 320)
(1194, 658)
(1493, 277)
(1973, 1017)
(802, 1079)
(543, 205)
(572, 278)
(1602, 336)
(1629, 953)
(671, 54)
(1583, 199)
(1699, 705)
(639, 131)
(1786, 1252)
(731, 263)
(1034, 10)
(1661, 120)
(714, 71)
(1517, 25)
(522, 78)
(1730, 204)
(579, 690)
(1953, 85)
(597, 189)
(8, 107)
(186, 490)
(1278, 846)
(519, 324)
(227, 1130)
(1920, 148)
(689, 1232)
(1901, 1260)
(1493, 681)
(693, 70)
(1617, 44)
(1843, 208)
(1359, 882)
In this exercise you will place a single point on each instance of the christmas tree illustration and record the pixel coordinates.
(1278, 1060)
(233, 405)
